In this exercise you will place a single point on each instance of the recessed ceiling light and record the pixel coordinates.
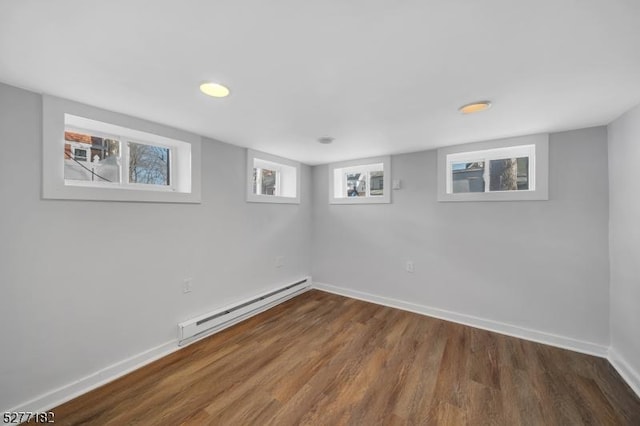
(214, 89)
(475, 107)
(326, 140)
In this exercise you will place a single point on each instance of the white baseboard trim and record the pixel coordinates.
(628, 373)
(108, 374)
(472, 321)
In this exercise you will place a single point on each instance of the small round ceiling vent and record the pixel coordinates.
(326, 140)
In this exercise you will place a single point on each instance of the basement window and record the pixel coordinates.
(91, 154)
(363, 181)
(272, 179)
(118, 158)
(514, 169)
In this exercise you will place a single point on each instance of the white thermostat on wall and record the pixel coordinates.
(395, 184)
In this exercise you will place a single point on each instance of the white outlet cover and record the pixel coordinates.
(409, 266)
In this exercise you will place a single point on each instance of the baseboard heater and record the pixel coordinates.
(217, 320)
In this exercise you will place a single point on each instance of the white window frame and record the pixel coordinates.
(536, 147)
(95, 128)
(184, 182)
(364, 165)
(276, 164)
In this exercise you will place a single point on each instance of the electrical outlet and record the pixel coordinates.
(187, 285)
(409, 266)
(279, 261)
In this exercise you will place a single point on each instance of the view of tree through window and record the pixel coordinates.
(509, 174)
(356, 184)
(502, 170)
(505, 174)
(360, 181)
(149, 164)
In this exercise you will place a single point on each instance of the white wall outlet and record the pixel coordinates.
(395, 184)
(187, 285)
(409, 266)
(279, 261)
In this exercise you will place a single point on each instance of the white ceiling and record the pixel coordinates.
(381, 76)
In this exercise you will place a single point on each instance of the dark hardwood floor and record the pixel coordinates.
(329, 360)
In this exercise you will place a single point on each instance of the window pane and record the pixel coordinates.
(80, 154)
(467, 177)
(356, 185)
(91, 158)
(255, 180)
(523, 173)
(149, 164)
(264, 181)
(509, 174)
(377, 183)
(268, 182)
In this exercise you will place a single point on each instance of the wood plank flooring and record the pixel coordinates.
(322, 359)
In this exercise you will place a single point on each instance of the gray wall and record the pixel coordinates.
(624, 243)
(87, 284)
(541, 265)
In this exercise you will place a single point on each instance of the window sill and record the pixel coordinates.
(362, 200)
(253, 198)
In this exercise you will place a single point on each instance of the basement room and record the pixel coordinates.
(320, 213)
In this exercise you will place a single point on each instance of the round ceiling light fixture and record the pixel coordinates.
(475, 107)
(216, 90)
(326, 140)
